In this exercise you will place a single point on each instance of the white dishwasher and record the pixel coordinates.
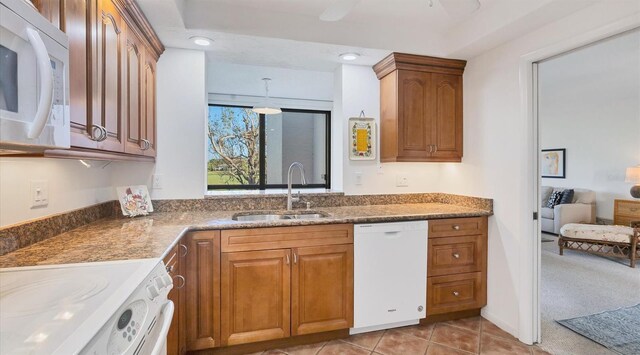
(390, 275)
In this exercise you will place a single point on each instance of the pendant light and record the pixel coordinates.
(265, 107)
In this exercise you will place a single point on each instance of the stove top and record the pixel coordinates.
(56, 309)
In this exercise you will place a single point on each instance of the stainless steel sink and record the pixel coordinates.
(275, 216)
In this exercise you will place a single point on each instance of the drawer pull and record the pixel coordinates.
(456, 293)
(456, 256)
(456, 227)
(181, 278)
(186, 250)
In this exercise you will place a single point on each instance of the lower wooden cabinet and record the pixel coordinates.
(256, 298)
(456, 265)
(275, 293)
(322, 289)
(203, 290)
(175, 264)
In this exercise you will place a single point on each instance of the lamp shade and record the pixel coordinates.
(266, 108)
(633, 175)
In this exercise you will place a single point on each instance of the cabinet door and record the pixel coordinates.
(415, 112)
(203, 290)
(322, 289)
(107, 97)
(149, 122)
(132, 91)
(256, 296)
(52, 10)
(447, 129)
(80, 16)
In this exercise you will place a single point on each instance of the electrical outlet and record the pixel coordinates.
(39, 193)
(157, 181)
(358, 176)
(402, 180)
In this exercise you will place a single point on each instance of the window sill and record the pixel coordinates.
(270, 192)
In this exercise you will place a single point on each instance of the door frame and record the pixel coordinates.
(530, 250)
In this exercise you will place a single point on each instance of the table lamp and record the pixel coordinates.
(633, 176)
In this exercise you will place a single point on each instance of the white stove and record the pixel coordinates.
(118, 307)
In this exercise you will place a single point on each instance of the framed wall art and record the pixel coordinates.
(362, 138)
(553, 163)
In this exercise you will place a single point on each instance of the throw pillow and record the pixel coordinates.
(554, 198)
(567, 197)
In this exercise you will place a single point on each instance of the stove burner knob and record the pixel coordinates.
(159, 282)
(152, 292)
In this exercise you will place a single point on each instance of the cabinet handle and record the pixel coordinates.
(435, 148)
(456, 227)
(102, 133)
(456, 293)
(430, 148)
(456, 256)
(186, 250)
(295, 258)
(287, 259)
(180, 277)
(146, 144)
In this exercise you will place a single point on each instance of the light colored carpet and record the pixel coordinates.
(579, 284)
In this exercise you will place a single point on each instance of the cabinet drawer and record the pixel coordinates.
(455, 293)
(456, 227)
(455, 255)
(285, 237)
(628, 208)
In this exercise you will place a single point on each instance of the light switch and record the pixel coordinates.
(39, 193)
(157, 181)
(358, 176)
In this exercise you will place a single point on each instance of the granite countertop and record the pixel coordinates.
(152, 236)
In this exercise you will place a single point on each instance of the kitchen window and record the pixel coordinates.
(247, 150)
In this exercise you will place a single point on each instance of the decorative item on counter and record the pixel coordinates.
(134, 200)
(553, 163)
(362, 142)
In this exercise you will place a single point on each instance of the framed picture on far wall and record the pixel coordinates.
(553, 163)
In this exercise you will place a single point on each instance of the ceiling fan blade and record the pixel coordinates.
(457, 8)
(338, 10)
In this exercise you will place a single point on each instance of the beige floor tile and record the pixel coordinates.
(467, 323)
(365, 340)
(492, 329)
(456, 338)
(437, 349)
(395, 342)
(420, 331)
(491, 345)
(342, 348)
(310, 349)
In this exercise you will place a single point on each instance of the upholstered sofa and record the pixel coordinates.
(581, 210)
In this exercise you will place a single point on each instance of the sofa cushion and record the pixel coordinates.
(567, 197)
(545, 192)
(546, 212)
(554, 198)
(584, 196)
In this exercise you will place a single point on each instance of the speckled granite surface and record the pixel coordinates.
(151, 236)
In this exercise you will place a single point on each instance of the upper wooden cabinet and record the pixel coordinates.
(112, 78)
(420, 108)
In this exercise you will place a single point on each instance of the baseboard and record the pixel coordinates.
(499, 322)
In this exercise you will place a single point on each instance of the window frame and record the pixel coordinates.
(262, 185)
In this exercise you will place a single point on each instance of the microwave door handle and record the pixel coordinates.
(167, 311)
(46, 84)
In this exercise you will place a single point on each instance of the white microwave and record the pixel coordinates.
(34, 76)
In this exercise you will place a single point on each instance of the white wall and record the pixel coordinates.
(589, 103)
(71, 186)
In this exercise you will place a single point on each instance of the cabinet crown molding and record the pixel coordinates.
(136, 15)
(395, 61)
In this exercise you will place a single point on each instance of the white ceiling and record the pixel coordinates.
(288, 33)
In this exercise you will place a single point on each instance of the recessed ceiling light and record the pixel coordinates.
(201, 41)
(349, 56)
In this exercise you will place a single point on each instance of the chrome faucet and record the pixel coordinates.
(291, 200)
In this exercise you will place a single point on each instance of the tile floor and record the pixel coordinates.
(460, 337)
